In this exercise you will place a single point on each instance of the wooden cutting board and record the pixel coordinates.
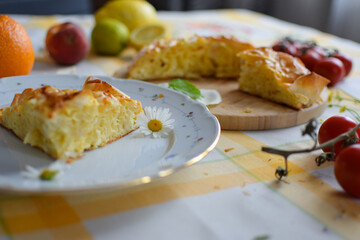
(241, 111)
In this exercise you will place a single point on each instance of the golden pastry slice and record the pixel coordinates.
(191, 58)
(279, 77)
(65, 123)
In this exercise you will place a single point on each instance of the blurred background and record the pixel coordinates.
(338, 17)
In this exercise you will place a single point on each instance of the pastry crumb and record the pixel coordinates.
(247, 110)
(246, 192)
(228, 149)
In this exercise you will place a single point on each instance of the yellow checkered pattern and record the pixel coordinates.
(61, 216)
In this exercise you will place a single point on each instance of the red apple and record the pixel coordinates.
(66, 43)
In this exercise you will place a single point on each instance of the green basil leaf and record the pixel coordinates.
(185, 87)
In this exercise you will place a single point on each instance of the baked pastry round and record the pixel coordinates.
(263, 72)
(191, 58)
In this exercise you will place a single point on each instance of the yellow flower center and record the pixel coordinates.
(155, 125)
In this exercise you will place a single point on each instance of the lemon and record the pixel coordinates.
(109, 37)
(145, 35)
(133, 13)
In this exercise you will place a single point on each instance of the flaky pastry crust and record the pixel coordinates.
(279, 77)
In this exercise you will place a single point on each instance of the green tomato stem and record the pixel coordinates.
(330, 143)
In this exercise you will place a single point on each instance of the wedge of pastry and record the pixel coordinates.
(279, 77)
(65, 123)
(191, 58)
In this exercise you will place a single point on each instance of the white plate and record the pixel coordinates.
(129, 161)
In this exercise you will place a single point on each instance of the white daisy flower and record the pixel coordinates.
(54, 169)
(156, 122)
(30, 172)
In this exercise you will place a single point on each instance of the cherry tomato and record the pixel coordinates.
(298, 45)
(285, 46)
(331, 68)
(299, 48)
(319, 50)
(347, 170)
(310, 58)
(346, 60)
(333, 127)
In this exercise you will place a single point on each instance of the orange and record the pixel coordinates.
(16, 50)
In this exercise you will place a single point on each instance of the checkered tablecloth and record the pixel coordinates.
(231, 194)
